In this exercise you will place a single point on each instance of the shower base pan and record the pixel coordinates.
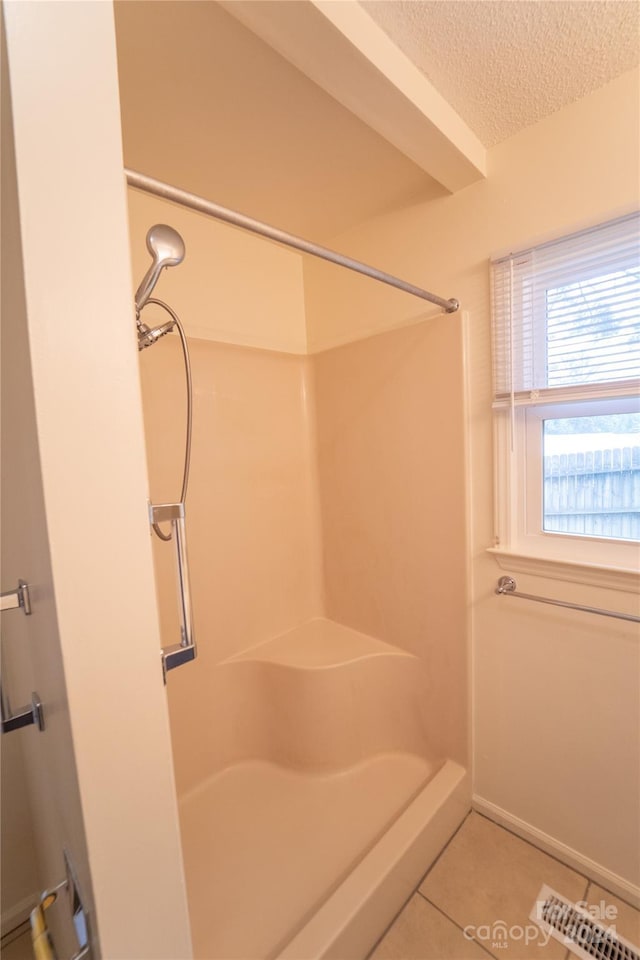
(312, 862)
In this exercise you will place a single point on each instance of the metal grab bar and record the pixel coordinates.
(31, 713)
(183, 652)
(507, 586)
(14, 599)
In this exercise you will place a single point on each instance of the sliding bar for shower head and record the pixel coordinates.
(166, 247)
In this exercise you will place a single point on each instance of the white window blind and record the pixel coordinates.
(566, 317)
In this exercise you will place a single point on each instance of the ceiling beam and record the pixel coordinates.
(339, 47)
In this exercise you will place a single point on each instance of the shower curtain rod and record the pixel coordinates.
(167, 192)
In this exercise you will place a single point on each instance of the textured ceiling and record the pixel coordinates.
(208, 106)
(505, 64)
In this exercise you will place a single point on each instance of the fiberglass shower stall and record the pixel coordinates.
(320, 736)
(319, 752)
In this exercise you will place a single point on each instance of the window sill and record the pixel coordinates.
(595, 575)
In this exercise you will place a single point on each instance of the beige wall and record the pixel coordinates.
(235, 122)
(20, 878)
(391, 467)
(252, 518)
(93, 636)
(556, 693)
(232, 287)
(41, 807)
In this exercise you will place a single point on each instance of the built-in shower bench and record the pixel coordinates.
(327, 779)
(319, 643)
(323, 697)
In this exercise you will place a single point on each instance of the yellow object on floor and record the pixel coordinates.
(42, 945)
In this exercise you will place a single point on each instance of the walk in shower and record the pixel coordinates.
(320, 736)
(320, 764)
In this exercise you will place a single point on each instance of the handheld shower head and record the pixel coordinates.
(166, 246)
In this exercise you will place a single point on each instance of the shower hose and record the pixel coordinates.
(187, 368)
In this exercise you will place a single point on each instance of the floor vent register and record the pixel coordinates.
(578, 930)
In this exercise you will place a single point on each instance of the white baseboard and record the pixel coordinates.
(589, 868)
(13, 916)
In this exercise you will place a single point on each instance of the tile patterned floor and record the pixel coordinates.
(486, 875)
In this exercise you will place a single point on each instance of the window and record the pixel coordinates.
(566, 352)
